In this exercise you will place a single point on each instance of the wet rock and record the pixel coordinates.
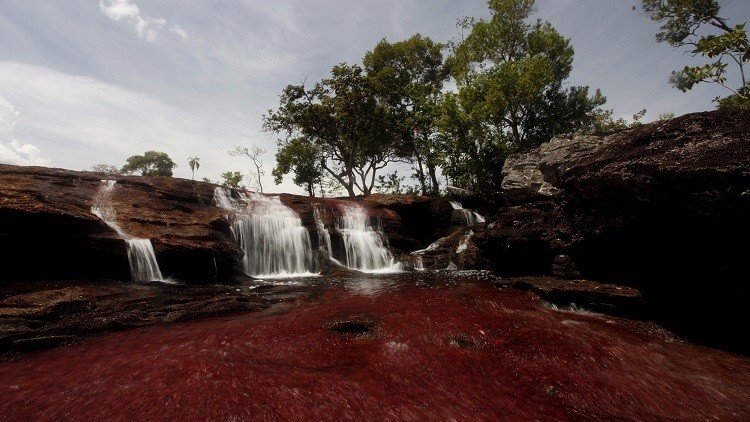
(524, 239)
(46, 213)
(598, 297)
(662, 208)
(56, 315)
(357, 326)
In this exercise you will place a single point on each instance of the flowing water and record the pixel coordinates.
(141, 256)
(275, 242)
(365, 246)
(468, 217)
(396, 347)
(323, 234)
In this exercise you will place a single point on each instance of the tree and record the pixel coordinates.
(255, 154)
(106, 169)
(151, 163)
(303, 159)
(408, 76)
(601, 122)
(351, 131)
(698, 26)
(232, 179)
(510, 75)
(194, 163)
(665, 116)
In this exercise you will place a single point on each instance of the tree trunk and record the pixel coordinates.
(420, 173)
(433, 178)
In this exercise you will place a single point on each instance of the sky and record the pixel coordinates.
(85, 82)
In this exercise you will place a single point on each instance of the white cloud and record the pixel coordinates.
(82, 121)
(179, 31)
(147, 27)
(14, 152)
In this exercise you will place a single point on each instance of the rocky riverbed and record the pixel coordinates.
(434, 347)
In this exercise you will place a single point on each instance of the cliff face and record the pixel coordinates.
(47, 229)
(664, 207)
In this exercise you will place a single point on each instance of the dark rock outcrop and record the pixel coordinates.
(583, 294)
(50, 313)
(664, 207)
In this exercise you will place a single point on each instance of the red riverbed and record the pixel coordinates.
(462, 352)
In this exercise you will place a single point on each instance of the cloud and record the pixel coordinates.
(147, 27)
(82, 121)
(179, 31)
(14, 152)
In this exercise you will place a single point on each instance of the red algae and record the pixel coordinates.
(461, 352)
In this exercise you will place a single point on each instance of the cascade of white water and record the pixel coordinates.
(364, 244)
(323, 235)
(141, 255)
(419, 263)
(469, 217)
(143, 264)
(275, 242)
(463, 244)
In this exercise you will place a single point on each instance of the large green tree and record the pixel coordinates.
(342, 120)
(408, 76)
(301, 157)
(151, 163)
(699, 26)
(511, 73)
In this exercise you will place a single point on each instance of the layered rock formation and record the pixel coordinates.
(47, 229)
(664, 207)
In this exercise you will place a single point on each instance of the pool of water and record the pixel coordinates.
(384, 348)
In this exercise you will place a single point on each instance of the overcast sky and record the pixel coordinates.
(84, 82)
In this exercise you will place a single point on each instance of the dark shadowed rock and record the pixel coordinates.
(586, 294)
(663, 207)
(41, 315)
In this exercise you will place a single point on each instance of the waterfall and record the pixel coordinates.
(143, 265)
(463, 244)
(469, 217)
(419, 263)
(141, 255)
(364, 245)
(275, 242)
(323, 235)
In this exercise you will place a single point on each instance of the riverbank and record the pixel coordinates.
(386, 349)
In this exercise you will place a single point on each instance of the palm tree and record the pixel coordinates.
(195, 164)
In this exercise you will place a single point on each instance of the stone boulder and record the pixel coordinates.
(533, 175)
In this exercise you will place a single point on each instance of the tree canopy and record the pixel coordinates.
(510, 73)
(698, 26)
(151, 163)
(342, 120)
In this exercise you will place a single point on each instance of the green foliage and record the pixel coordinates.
(510, 75)
(232, 179)
(665, 116)
(300, 157)
(601, 122)
(342, 119)
(684, 23)
(106, 169)
(408, 76)
(151, 163)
